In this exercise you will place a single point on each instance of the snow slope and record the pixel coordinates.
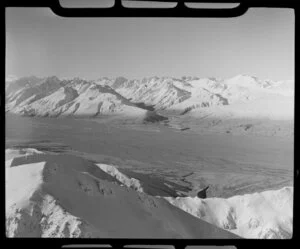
(51, 195)
(204, 94)
(267, 214)
(158, 92)
(54, 97)
(272, 106)
(240, 96)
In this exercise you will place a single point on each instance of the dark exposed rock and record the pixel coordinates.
(202, 193)
(153, 117)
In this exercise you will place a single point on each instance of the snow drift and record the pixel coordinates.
(50, 195)
(266, 215)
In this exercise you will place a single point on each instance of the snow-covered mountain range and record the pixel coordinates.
(240, 96)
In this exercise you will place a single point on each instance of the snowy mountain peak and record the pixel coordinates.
(249, 81)
(242, 79)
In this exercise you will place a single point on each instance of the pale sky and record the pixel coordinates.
(259, 43)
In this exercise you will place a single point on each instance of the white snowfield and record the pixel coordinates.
(50, 195)
(265, 215)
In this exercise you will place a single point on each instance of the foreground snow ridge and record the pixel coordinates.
(10, 154)
(58, 195)
(128, 182)
(265, 215)
(50, 195)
